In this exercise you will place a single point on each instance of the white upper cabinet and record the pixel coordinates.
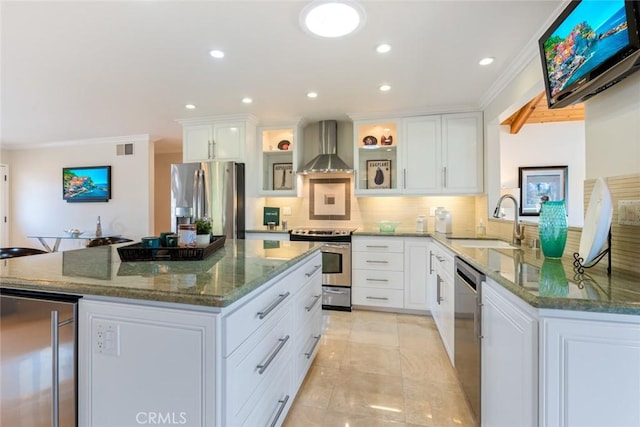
(423, 155)
(222, 138)
(462, 153)
(279, 151)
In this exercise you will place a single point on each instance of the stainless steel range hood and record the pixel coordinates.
(327, 160)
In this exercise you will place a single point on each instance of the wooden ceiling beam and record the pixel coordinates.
(524, 113)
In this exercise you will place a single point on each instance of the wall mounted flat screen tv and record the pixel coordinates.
(592, 45)
(86, 184)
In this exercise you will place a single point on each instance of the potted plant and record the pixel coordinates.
(203, 231)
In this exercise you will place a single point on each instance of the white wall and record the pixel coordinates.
(36, 191)
(613, 130)
(547, 144)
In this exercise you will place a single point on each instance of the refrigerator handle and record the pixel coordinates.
(55, 366)
(196, 194)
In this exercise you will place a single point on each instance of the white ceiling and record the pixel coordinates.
(84, 69)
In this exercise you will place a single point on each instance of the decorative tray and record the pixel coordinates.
(135, 252)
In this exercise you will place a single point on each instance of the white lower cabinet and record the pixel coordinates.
(416, 273)
(590, 370)
(242, 365)
(140, 364)
(377, 274)
(443, 302)
(509, 359)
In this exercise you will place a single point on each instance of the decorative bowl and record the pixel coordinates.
(73, 232)
(387, 226)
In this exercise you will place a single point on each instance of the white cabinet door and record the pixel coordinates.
(422, 154)
(137, 364)
(228, 141)
(443, 304)
(462, 155)
(197, 143)
(590, 371)
(416, 273)
(509, 360)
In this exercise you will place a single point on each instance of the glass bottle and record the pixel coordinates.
(98, 228)
(552, 228)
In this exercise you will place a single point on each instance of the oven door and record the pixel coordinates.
(336, 264)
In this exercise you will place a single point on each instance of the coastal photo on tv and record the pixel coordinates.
(86, 184)
(592, 33)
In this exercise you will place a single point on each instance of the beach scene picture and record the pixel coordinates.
(85, 184)
(591, 34)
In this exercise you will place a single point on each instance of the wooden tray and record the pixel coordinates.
(135, 252)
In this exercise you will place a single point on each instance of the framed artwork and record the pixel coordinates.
(330, 199)
(540, 184)
(283, 176)
(378, 174)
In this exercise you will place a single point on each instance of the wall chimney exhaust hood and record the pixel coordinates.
(328, 160)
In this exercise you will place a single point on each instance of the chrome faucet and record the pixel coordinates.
(518, 230)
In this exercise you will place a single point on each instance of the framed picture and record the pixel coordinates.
(540, 184)
(330, 199)
(378, 174)
(283, 176)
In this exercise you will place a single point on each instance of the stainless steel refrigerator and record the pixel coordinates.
(38, 360)
(215, 190)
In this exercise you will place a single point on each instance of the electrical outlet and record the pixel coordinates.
(629, 212)
(286, 210)
(106, 337)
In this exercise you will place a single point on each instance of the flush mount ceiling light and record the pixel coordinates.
(332, 18)
(190, 107)
(486, 61)
(385, 88)
(312, 95)
(217, 53)
(247, 100)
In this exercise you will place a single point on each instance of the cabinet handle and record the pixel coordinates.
(378, 246)
(315, 268)
(444, 174)
(281, 405)
(439, 258)
(379, 298)
(430, 262)
(372, 261)
(377, 280)
(209, 149)
(404, 177)
(438, 289)
(313, 347)
(213, 149)
(281, 297)
(315, 301)
(264, 365)
(55, 365)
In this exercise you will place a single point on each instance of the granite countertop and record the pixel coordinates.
(233, 271)
(543, 283)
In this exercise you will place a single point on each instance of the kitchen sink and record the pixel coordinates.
(483, 243)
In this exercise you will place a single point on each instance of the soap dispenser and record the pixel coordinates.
(481, 231)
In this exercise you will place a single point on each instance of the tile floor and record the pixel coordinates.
(380, 369)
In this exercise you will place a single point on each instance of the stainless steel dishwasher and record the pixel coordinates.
(467, 329)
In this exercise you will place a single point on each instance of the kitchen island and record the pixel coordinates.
(222, 341)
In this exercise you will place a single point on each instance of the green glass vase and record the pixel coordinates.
(552, 228)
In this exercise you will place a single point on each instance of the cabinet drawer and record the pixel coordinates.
(308, 301)
(255, 361)
(376, 297)
(307, 345)
(274, 403)
(377, 244)
(378, 261)
(378, 279)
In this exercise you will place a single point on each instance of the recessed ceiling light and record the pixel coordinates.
(217, 53)
(190, 107)
(247, 100)
(312, 95)
(383, 48)
(332, 18)
(385, 88)
(486, 61)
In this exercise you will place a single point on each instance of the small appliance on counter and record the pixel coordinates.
(443, 221)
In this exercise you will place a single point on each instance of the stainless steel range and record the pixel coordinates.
(336, 264)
